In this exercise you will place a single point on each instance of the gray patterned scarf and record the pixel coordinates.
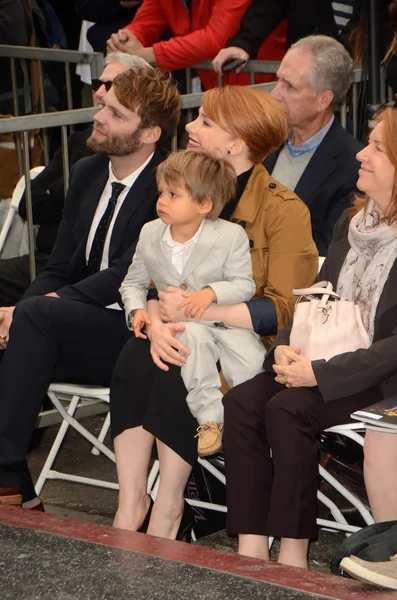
(373, 250)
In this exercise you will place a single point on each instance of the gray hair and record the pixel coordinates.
(331, 66)
(129, 61)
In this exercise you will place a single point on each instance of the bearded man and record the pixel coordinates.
(69, 326)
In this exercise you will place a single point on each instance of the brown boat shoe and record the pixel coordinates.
(209, 438)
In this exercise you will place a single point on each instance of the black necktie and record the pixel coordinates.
(96, 252)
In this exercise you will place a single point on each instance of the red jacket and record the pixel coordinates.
(200, 38)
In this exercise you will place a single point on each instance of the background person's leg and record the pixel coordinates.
(380, 472)
(15, 277)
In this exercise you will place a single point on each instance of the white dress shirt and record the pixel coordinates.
(102, 206)
(181, 252)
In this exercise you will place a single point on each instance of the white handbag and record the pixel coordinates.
(326, 325)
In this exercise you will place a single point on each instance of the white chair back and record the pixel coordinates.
(14, 205)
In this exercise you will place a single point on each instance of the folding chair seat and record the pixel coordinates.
(353, 431)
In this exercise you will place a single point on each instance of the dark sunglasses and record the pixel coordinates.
(97, 83)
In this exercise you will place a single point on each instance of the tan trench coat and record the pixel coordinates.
(284, 255)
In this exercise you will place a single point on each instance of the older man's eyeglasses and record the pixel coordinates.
(97, 83)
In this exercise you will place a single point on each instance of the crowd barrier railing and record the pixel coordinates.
(254, 67)
(22, 126)
(68, 57)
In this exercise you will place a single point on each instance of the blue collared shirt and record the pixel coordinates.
(310, 144)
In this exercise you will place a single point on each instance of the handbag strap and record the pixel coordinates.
(320, 288)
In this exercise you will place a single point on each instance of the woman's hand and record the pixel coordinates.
(279, 355)
(164, 346)
(299, 371)
(169, 300)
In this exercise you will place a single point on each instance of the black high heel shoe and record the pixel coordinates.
(186, 525)
(145, 524)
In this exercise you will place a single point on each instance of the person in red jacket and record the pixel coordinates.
(200, 28)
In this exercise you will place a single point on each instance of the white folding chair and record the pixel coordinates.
(66, 398)
(14, 205)
(353, 431)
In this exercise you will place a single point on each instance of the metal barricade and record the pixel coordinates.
(268, 67)
(22, 126)
(68, 57)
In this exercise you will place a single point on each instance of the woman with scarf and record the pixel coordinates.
(271, 421)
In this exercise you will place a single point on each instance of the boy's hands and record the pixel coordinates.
(197, 302)
(141, 318)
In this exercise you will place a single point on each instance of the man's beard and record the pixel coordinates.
(116, 144)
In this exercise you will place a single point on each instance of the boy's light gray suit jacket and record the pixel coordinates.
(221, 259)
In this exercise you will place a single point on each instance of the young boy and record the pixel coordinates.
(209, 258)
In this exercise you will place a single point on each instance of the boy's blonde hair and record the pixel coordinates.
(202, 175)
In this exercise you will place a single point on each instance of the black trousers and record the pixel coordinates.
(50, 340)
(275, 494)
(15, 277)
(143, 394)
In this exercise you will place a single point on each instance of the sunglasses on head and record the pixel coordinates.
(97, 83)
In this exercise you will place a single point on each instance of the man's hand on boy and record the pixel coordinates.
(196, 303)
(141, 318)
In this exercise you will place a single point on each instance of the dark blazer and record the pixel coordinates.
(354, 372)
(48, 193)
(328, 181)
(305, 17)
(66, 272)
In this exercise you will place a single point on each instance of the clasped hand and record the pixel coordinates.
(292, 369)
(196, 303)
(124, 42)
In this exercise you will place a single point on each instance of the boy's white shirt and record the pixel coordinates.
(221, 259)
(180, 252)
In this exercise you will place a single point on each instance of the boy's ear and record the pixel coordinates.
(205, 206)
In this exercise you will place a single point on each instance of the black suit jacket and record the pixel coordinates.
(48, 195)
(305, 17)
(66, 272)
(327, 183)
(354, 372)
